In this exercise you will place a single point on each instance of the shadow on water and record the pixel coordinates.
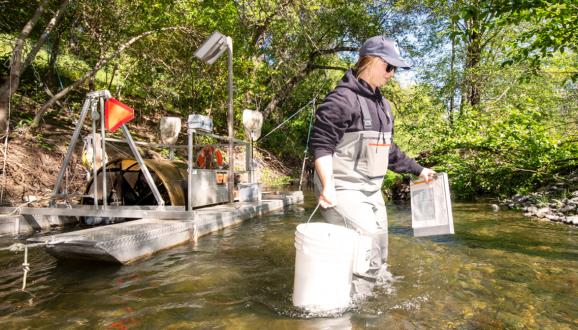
(77, 269)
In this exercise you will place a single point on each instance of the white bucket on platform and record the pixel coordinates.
(323, 266)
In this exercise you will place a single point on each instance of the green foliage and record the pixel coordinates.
(517, 142)
(495, 129)
(545, 29)
(24, 121)
(390, 179)
(271, 179)
(41, 141)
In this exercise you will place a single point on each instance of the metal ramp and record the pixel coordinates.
(119, 243)
(126, 242)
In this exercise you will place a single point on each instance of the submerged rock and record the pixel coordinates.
(531, 210)
(553, 217)
(542, 212)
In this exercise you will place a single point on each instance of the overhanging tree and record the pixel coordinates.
(17, 64)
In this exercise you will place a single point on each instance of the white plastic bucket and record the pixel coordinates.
(323, 266)
(314, 245)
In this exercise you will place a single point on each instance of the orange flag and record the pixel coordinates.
(116, 114)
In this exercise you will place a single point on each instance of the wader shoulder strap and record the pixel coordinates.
(365, 113)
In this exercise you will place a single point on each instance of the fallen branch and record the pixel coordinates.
(525, 170)
(329, 67)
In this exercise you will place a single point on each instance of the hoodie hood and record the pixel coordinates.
(358, 86)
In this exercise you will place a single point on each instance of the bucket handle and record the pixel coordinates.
(315, 210)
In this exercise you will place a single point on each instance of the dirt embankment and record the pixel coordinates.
(32, 164)
(33, 159)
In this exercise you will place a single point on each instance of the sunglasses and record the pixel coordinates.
(389, 67)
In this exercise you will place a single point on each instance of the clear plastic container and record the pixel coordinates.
(431, 208)
(200, 122)
(249, 192)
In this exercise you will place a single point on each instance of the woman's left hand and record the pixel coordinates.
(427, 174)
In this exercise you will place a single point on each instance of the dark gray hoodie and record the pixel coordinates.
(341, 113)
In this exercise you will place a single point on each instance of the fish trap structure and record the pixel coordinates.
(168, 201)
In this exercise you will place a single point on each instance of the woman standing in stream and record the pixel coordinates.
(353, 147)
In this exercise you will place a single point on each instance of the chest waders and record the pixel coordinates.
(359, 164)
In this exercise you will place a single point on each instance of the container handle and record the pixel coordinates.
(315, 210)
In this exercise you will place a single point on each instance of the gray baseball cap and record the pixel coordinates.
(385, 48)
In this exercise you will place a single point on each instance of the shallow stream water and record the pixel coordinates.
(500, 270)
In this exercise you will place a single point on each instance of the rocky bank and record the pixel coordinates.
(555, 202)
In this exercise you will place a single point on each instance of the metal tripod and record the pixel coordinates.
(94, 102)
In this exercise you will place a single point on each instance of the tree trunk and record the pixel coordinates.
(473, 59)
(112, 76)
(16, 66)
(42, 40)
(11, 84)
(91, 73)
(452, 78)
(52, 74)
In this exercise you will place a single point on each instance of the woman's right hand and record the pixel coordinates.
(328, 197)
(324, 168)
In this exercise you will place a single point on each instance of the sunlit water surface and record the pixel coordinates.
(500, 270)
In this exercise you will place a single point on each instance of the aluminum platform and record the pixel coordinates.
(129, 241)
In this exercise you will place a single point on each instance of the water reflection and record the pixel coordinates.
(342, 322)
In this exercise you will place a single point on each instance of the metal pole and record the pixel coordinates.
(230, 118)
(306, 147)
(70, 150)
(104, 160)
(190, 171)
(94, 115)
(143, 167)
(249, 159)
